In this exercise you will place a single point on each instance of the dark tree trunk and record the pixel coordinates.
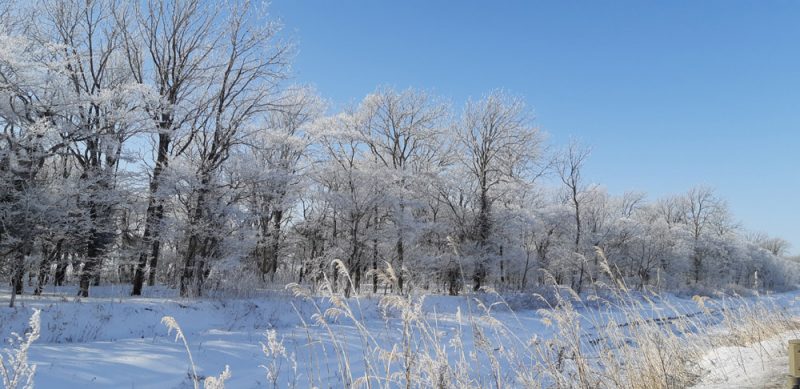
(189, 274)
(44, 266)
(19, 272)
(375, 265)
(478, 277)
(43, 274)
(189, 266)
(357, 279)
(578, 255)
(61, 272)
(192, 265)
(502, 268)
(90, 264)
(190, 262)
(155, 215)
(277, 219)
(524, 281)
(155, 248)
(354, 261)
(400, 253)
(483, 231)
(453, 280)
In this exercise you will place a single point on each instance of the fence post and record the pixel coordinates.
(794, 364)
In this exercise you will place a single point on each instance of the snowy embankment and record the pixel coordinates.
(761, 365)
(119, 341)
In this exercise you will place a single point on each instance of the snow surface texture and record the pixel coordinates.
(761, 365)
(119, 341)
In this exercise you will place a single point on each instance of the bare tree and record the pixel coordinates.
(169, 47)
(777, 246)
(569, 168)
(500, 147)
(403, 131)
(278, 153)
(245, 82)
(702, 211)
(102, 111)
(670, 209)
(351, 190)
(24, 142)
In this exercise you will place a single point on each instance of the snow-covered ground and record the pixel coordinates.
(118, 341)
(757, 366)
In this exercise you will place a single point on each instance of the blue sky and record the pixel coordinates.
(667, 94)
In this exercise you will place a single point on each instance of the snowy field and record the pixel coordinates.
(117, 341)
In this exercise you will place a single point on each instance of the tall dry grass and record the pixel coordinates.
(624, 339)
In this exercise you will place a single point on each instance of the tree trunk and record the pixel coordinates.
(45, 265)
(155, 215)
(524, 281)
(502, 267)
(61, 272)
(13, 295)
(578, 255)
(354, 261)
(375, 266)
(155, 249)
(483, 232)
(90, 263)
(189, 276)
(19, 272)
(277, 219)
(400, 252)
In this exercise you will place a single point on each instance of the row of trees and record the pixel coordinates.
(160, 142)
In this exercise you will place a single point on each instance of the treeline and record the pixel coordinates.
(162, 142)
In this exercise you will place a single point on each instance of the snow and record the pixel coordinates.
(118, 341)
(761, 365)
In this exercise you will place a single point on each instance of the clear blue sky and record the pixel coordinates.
(668, 94)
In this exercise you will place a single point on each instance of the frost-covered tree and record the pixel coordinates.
(277, 167)
(569, 168)
(352, 191)
(161, 140)
(777, 246)
(103, 115)
(27, 140)
(244, 83)
(170, 47)
(404, 133)
(499, 147)
(74, 98)
(706, 215)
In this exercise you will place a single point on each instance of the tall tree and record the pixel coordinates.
(169, 46)
(703, 212)
(278, 166)
(102, 111)
(244, 83)
(352, 190)
(26, 141)
(569, 171)
(499, 146)
(403, 131)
